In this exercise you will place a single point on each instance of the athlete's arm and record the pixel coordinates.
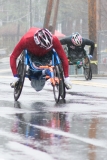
(60, 51)
(16, 52)
(65, 40)
(91, 44)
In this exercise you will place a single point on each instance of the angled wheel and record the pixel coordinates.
(59, 87)
(21, 69)
(62, 84)
(87, 69)
(90, 76)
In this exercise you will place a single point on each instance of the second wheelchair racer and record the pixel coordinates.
(39, 43)
(76, 44)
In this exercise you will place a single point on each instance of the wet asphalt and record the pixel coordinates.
(35, 127)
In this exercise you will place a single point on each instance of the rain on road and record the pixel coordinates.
(35, 127)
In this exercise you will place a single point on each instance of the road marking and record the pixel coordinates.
(6, 76)
(5, 70)
(94, 84)
(84, 83)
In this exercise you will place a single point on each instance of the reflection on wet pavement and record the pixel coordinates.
(92, 134)
(35, 128)
(60, 132)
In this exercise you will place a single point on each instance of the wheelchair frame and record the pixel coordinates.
(56, 79)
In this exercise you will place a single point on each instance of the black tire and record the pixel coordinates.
(59, 88)
(87, 69)
(62, 84)
(90, 76)
(21, 68)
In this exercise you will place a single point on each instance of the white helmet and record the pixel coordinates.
(76, 39)
(43, 38)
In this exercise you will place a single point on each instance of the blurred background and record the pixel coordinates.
(88, 17)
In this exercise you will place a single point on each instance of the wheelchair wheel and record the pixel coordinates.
(62, 84)
(87, 69)
(90, 76)
(59, 88)
(21, 68)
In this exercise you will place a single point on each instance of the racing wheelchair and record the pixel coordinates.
(80, 60)
(52, 62)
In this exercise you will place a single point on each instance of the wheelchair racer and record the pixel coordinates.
(76, 44)
(39, 43)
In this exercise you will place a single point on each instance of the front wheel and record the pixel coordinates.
(59, 87)
(90, 76)
(21, 69)
(87, 69)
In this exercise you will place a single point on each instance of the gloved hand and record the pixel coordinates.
(14, 81)
(90, 56)
(46, 72)
(68, 83)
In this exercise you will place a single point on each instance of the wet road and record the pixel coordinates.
(37, 128)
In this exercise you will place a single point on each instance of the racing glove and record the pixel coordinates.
(46, 72)
(68, 83)
(90, 56)
(14, 81)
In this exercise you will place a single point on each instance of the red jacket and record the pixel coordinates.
(27, 42)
